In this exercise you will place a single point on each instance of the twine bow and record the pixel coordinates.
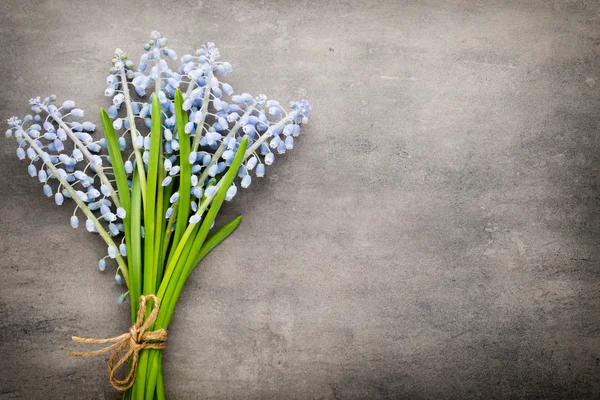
(136, 339)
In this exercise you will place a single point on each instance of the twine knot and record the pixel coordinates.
(136, 340)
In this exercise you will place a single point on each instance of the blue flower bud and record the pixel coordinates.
(42, 176)
(128, 167)
(96, 160)
(112, 111)
(281, 147)
(174, 197)
(269, 158)
(119, 280)
(110, 217)
(81, 196)
(227, 89)
(77, 113)
(21, 153)
(58, 198)
(275, 142)
(194, 180)
(102, 265)
(77, 155)
(194, 219)
(47, 190)
(167, 181)
(32, 170)
(112, 252)
(121, 213)
(212, 170)
(260, 170)
(114, 229)
(74, 221)
(210, 191)
(123, 249)
(68, 105)
(89, 225)
(252, 161)
(198, 191)
(227, 154)
(246, 180)
(117, 123)
(231, 192)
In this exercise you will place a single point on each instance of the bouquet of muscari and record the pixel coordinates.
(177, 143)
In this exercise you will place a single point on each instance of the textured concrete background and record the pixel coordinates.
(434, 235)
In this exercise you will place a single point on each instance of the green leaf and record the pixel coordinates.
(118, 167)
(179, 275)
(114, 151)
(216, 239)
(152, 185)
(134, 247)
(185, 172)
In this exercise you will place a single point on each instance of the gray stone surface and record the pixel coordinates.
(433, 235)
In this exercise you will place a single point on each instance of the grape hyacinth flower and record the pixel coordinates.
(178, 142)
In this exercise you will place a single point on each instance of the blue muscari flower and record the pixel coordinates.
(47, 190)
(121, 299)
(123, 249)
(167, 181)
(246, 180)
(118, 279)
(58, 198)
(198, 191)
(31, 170)
(128, 167)
(89, 225)
(113, 228)
(269, 158)
(252, 161)
(260, 170)
(112, 252)
(102, 265)
(210, 191)
(194, 219)
(231, 192)
(74, 221)
(212, 170)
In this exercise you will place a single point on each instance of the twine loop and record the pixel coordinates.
(136, 340)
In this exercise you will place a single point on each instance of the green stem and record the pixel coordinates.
(134, 133)
(203, 111)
